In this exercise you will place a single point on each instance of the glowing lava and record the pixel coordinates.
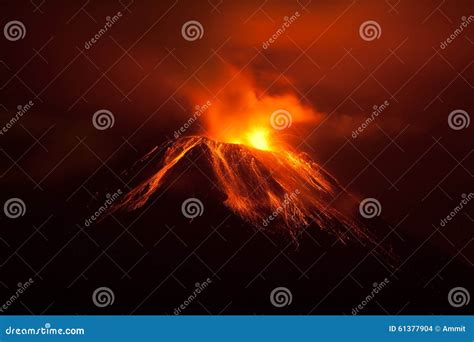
(258, 184)
(258, 138)
(262, 180)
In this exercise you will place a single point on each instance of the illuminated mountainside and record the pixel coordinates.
(270, 189)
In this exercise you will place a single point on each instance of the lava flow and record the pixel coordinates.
(265, 187)
(262, 179)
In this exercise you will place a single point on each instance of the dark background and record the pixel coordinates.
(151, 78)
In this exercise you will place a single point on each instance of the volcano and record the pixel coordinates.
(273, 190)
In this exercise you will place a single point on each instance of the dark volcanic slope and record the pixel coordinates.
(153, 256)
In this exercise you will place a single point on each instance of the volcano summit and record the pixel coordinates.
(279, 190)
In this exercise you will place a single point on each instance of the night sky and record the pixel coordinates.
(413, 157)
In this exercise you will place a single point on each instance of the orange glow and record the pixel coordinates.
(242, 113)
(255, 168)
(258, 138)
(259, 184)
